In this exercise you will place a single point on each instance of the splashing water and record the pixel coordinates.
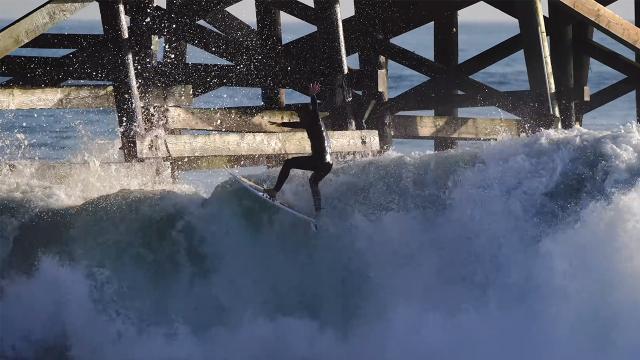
(526, 248)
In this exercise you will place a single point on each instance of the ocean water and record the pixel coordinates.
(523, 248)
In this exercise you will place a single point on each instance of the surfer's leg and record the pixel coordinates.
(300, 162)
(317, 176)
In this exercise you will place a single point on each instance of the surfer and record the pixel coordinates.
(320, 160)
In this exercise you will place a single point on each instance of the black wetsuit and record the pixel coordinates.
(320, 160)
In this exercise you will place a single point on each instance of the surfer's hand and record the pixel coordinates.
(314, 88)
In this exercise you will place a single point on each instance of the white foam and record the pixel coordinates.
(527, 248)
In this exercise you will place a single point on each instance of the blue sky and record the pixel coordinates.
(12, 9)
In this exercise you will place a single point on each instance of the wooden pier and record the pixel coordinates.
(152, 92)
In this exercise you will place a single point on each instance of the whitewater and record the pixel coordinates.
(524, 248)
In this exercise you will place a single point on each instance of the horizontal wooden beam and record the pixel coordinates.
(80, 64)
(232, 161)
(225, 144)
(606, 21)
(83, 97)
(191, 163)
(459, 128)
(229, 120)
(63, 41)
(145, 173)
(28, 27)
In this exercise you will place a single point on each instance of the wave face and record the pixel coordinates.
(526, 248)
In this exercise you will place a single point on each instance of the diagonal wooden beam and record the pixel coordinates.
(36, 22)
(400, 18)
(608, 94)
(606, 21)
(297, 9)
(166, 23)
(611, 58)
(230, 25)
(462, 81)
(491, 56)
(411, 60)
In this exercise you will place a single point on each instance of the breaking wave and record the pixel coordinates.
(524, 248)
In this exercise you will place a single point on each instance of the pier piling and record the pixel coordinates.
(445, 52)
(125, 85)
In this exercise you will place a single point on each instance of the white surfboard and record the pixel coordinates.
(259, 190)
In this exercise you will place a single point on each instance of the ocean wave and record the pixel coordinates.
(524, 248)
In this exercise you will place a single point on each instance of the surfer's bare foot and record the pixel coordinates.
(271, 193)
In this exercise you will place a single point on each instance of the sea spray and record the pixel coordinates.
(524, 248)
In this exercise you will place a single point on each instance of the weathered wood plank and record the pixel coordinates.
(56, 98)
(224, 144)
(606, 21)
(458, 128)
(144, 174)
(83, 97)
(237, 120)
(231, 161)
(36, 22)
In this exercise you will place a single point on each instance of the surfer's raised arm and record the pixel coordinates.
(288, 124)
(314, 88)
